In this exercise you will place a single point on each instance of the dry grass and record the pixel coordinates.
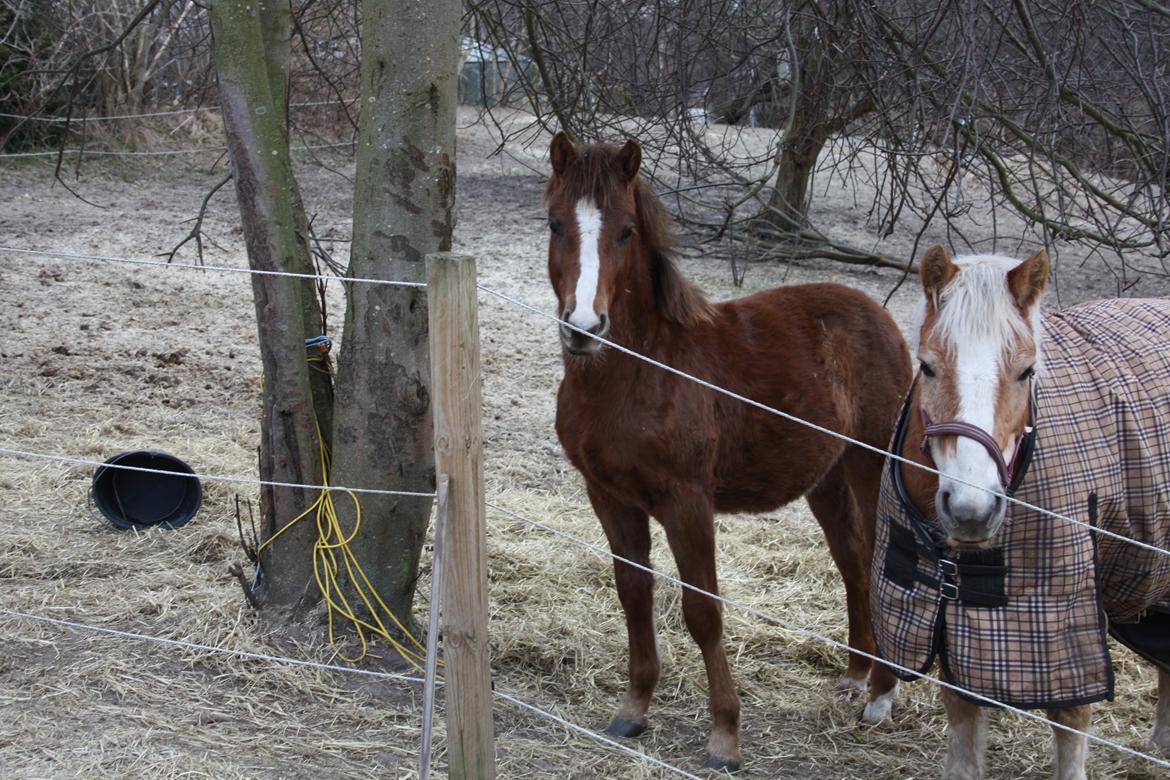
(84, 379)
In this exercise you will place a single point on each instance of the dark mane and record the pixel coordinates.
(596, 174)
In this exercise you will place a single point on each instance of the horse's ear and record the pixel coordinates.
(630, 159)
(936, 269)
(562, 152)
(1028, 279)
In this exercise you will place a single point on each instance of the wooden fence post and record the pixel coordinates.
(455, 380)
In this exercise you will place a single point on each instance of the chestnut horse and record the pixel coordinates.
(1007, 400)
(650, 443)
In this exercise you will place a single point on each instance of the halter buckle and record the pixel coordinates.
(948, 573)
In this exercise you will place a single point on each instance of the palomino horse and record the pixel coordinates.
(650, 443)
(1071, 413)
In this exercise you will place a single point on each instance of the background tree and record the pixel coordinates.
(1058, 109)
(105, 57)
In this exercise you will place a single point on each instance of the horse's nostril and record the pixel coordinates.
(946, 501)
(571, 330)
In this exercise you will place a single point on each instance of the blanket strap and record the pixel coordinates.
(972, 578)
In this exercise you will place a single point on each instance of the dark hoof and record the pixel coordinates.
(621, 727)
(720, 764)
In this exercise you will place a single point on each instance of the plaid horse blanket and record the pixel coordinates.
(1024, 622)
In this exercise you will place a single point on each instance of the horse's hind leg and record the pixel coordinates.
(966, 738)
(1161, 737)
(1069, 750)
(628, 531)
(849, 533)
(689, 522)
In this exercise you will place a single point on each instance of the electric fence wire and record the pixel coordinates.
(304, 663)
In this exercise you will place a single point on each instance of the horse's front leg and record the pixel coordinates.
(689, 521)
(1161, 737)
(1069, 750)
(628, 531)
(966, 738)
(845, 503)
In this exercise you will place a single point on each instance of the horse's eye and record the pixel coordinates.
(1028, 373)
(556, 226)
(624, 236)
(927, 371)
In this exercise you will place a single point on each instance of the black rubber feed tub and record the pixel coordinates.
(140, 499)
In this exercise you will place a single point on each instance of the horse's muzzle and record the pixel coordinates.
(969, 517)
(580, 341)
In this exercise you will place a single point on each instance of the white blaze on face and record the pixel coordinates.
(589, 232)
(979, 320)
(977, 380)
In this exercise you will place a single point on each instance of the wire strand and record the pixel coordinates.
(76, 625)
(208, 477)
(819, 428)
(595, 735)
(649, 360)
(788, 625)
(646, 359)
(207, 648)
(157, 152)
(196, 267)
(109, 118)
(544, 713)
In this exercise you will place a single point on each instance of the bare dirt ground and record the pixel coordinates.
(103, 357)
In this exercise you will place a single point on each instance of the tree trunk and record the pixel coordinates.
(276, 29)
(787, 210)
(404, 203)
(805, 132)
(809, 129)
(817, 109)
(257, 136)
